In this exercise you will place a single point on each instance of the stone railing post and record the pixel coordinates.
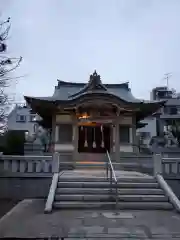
(157, 158)
(55, 162)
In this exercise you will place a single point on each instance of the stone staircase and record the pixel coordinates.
(84, 192)
(87, 161)
(127, 162)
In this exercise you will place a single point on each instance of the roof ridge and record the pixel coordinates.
(93, 84)
(67, 83)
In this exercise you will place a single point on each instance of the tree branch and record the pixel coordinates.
(7, 65)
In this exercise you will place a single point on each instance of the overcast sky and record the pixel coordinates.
(124, 40)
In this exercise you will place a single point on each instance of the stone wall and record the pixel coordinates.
(175, 185)
(31, 177)
(18, 188)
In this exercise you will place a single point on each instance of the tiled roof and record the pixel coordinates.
(64, 92)
(69, 91)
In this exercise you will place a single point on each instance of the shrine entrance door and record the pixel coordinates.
(94, 138)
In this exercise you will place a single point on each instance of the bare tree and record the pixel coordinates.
(7, 65)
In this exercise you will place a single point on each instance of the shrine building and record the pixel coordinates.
(92, 117)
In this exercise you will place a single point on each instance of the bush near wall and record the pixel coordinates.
(12, 143)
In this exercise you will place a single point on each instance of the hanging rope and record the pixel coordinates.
(102, 133)
(94, 138)
(85, 142)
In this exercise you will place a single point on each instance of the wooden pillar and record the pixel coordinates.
(131, 134)
(134, 138)
(75, 139)
(112, 140)
(56, 133)
(117, 145)
(53, 132)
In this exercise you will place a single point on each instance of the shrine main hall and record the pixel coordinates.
(92, 118)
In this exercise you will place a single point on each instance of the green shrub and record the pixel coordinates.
(14, 142)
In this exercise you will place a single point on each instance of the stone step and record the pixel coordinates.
(85, 156)
(103, 179)
(111, 198)
(90, 166)
(112, 205)
(126, 191)
(106, 185)
(116, 165)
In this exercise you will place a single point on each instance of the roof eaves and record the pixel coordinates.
(72, 84)
(39, 98)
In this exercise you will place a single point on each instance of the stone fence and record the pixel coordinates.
(29, 165)
(37, 166)
(168, 167)
(28, 176)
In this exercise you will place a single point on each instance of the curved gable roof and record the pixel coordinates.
(70, 94)
(65, 91)
(69, 91)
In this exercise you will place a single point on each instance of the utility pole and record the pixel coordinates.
(167, 76)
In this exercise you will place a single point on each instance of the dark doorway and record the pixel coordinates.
(94, 139)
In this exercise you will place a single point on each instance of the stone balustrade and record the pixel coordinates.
(47, 165)
(29, 164)
(171, 167)
(168, 167)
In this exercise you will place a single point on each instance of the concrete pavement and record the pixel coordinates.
(27, 219)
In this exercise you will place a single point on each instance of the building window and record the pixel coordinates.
(20, 118)
(65, 133)
(178, 110)
(124, 134)
(35, 127)
(166, 110)
(145, 135)
(32, 118)
(173, 110)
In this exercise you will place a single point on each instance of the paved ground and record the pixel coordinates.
(6, 205)
(102, 174)
(28, 220)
